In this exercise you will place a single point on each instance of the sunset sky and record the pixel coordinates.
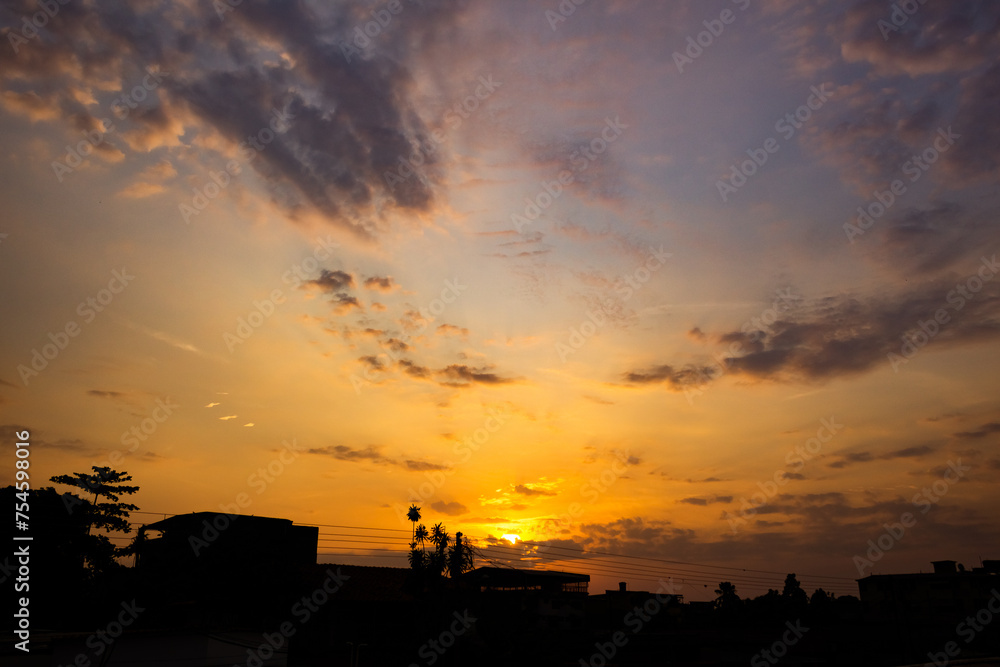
(707, 282)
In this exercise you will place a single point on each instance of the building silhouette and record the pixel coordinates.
(210, 569)
(926, 612)
(945, 595)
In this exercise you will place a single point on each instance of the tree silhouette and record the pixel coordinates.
(443, 559)
(439, 555)
(821, 604)
(418, 557)
(727, 601)
(793, 593)
(460, 558)
(62, 589)
(413, 514)
(111, 516)
(420, 535)
(820, 596)
(136, 546)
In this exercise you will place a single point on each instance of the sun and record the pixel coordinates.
(511, 538)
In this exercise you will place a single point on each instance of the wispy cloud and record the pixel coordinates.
(164, 337)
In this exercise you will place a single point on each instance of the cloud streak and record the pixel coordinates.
(837, 336)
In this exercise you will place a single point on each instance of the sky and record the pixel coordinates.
(705, 282)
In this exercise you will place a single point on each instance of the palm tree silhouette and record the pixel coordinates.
(413, 514)
(728, 600)
(418, 558)
(420, 535)
(440, 539)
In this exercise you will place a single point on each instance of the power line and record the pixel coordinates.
(745, 575)
(399, 551)
(596, 565)
(387, 537)
(320, 553)
(330, 525)
(678, 562)
(607, 564)
(632, 571)
(602, 560)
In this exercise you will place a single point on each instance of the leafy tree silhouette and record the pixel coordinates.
(419, 560)
(61, 588)
(460, 558)
(728, 601)
(794, 595)
(443, 559)
(820, 596)
(821, 604)
(439, 556)
(112, 515)
(413, 514)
